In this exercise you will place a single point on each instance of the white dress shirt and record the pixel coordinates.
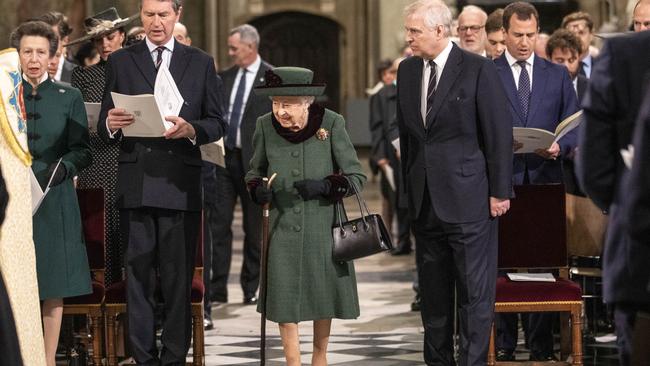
(586, 63)
(59, 70)
(440, 62)
(516, 69)
(251, 71)
(167, 53)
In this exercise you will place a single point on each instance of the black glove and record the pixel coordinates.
(59, 175)
(261, 195)
(310, 189)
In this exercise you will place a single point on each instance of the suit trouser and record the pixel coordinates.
(161, 243)
(464, 254)
(538, 331)
(231, 184)
(625, 319)
(209, 223)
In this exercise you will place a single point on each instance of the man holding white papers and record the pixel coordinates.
(540, 95)
(159, 178)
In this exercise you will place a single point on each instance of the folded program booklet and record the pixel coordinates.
(535, 277)
(537, 138)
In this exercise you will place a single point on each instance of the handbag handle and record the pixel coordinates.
(340, 207)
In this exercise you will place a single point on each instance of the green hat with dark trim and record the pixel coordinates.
(289, 81)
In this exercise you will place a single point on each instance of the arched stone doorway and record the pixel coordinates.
(306, 40)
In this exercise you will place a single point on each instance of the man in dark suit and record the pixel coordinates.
(619, 80)
(456, 151)
(383, 154)
(244, 107)
(159, 179)
(565, 48)
(540, 95)
(59, 68)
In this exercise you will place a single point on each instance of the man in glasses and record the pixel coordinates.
(471, 29)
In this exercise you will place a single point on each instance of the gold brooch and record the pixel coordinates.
(322, 134)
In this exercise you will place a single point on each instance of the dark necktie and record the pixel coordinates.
(431, 89)
(159, 59)
(523, 90)
(582, 71)
(235, 114)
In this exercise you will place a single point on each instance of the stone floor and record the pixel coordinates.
(386, 333)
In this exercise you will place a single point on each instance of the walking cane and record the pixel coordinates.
(263, 263)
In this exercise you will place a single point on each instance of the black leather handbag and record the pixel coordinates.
(360, 237)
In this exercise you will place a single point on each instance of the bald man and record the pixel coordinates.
(180, 33)
(471, 29)
(641, 16)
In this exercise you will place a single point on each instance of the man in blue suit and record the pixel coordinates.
(540, 94)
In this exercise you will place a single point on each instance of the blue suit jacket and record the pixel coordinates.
(552, 100)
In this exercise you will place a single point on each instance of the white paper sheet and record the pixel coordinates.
(92, 111)
(214, 153)
(535, 277)
(169, 99)
(148, 117)
(628, 156)
(38, 195)
(395, 144)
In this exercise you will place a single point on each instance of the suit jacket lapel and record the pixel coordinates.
(539, 85)
(505, 72)
(179, 62)
(144, 62)
(449, 75)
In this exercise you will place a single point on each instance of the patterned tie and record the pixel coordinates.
(523, 90)
(431, 89)
(582, 71)
(160, 50)
(235, 114)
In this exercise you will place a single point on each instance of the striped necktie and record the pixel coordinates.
(431, 89)
(159, 59)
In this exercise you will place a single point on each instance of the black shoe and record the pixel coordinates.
(221, 299)
(545, 357)
(250, 300)
(503, 355)
(401, 249)
(207, 323)
(415, 305)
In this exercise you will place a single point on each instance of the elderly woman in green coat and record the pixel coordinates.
(57, 130)
(309, 149)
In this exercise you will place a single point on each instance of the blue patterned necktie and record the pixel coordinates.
(235, 114)
(581, 70)
(523, 89)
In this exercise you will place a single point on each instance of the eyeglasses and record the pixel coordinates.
(474, 28)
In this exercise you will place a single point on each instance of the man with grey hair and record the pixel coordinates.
(243, 109)
(471, 29)
(181, 34)
(456, 154)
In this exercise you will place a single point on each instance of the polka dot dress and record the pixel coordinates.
(103, 171)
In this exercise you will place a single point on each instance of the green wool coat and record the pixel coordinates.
(304, 282)
(57, 128)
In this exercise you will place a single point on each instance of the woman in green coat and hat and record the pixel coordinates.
(309, 149)
(57, 133)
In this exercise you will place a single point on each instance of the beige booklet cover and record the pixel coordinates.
(537, 138)
(214, 153)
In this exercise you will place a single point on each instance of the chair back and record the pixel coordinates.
(92, 209)
(533, 232)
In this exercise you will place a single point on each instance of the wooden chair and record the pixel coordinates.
(115, 304)
(533, 236)
(92, 207)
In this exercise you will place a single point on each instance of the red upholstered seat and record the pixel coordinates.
(95, 297)
(516, 291)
